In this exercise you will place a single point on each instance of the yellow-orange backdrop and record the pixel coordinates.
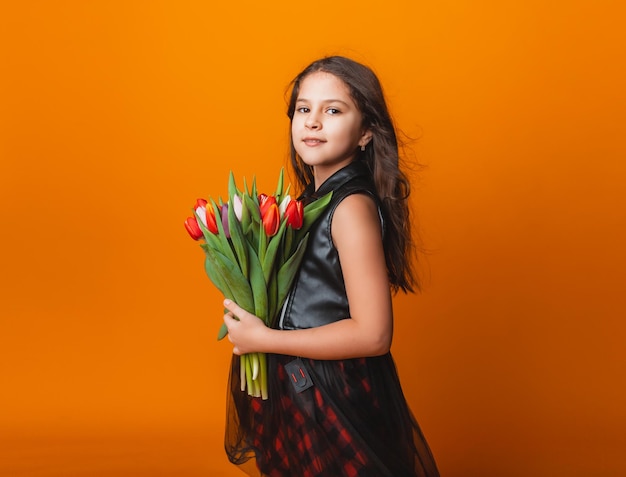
(116, 115)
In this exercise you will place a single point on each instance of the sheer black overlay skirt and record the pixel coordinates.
(354, 422)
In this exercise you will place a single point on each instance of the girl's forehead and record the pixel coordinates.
(321, 84)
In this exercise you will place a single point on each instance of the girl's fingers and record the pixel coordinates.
(235, 310)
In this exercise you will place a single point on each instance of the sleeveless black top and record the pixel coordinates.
(318, 296)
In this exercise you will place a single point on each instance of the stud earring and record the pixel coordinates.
(363, 147)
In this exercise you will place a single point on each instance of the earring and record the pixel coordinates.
(363, 147)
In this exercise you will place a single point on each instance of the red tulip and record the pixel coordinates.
(265, 202)
(191, 224)
(271, 220)
(294, 214)
(207, 215)
(211, 222)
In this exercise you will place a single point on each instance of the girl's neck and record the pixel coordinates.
(322, 173)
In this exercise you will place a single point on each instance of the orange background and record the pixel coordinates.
(116, 115)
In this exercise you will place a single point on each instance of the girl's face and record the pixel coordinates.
(326, 128)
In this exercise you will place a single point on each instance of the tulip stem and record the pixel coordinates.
(263, 371)
(253, 374)
(249, 381)
(255, 366)
(242, 371)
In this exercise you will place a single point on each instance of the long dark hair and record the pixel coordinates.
(381, 156)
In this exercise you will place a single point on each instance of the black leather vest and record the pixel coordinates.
(318, 296)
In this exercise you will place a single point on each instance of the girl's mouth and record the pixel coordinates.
(312, 141)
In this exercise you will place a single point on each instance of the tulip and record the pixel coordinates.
(211, 221)
(271, 220)
(207, 215)
(265, 202)
(283, 205)
(294, 214)
(238, 207)
(191, 224)
(224, 214)
(200, 209)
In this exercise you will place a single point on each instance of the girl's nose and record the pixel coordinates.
(312, 122)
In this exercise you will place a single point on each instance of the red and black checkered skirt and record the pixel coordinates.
(353, 422)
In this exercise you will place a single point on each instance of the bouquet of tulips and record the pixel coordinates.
(253, 246)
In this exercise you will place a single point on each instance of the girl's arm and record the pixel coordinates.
(357, 235)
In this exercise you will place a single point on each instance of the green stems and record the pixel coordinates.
(253, 374)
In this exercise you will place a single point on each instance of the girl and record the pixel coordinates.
(336, 326)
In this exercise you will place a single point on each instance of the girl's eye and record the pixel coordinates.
(303, 109)
(333, 111)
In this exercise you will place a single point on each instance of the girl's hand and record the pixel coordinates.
(245, 330)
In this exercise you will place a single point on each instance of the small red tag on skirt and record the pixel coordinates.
(298, 375)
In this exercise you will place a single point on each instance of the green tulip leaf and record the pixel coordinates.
(225, 247)
(253, 208)
(272, 296)
(272, 250)
(253, 191)
(279, 186)
(246, 218)
(234, 279)
(262, 243)
(288, 243)
(287, 272)
(222, 332)
(232, 187)
(238, 240)
(258, 285)
(213, 273)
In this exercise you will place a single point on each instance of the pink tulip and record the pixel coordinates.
(224, 213)
(238, 207)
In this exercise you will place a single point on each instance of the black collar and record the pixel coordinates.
(347, 173)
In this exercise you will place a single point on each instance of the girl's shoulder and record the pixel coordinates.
(359, 205)
(357, 215)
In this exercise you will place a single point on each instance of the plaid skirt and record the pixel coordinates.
(353, 422)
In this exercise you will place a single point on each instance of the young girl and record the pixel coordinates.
(336, 325)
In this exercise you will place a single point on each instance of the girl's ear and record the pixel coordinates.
(366, 137)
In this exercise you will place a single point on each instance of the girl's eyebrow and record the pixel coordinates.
(326, 101)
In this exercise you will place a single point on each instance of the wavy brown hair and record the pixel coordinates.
(382, 157)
